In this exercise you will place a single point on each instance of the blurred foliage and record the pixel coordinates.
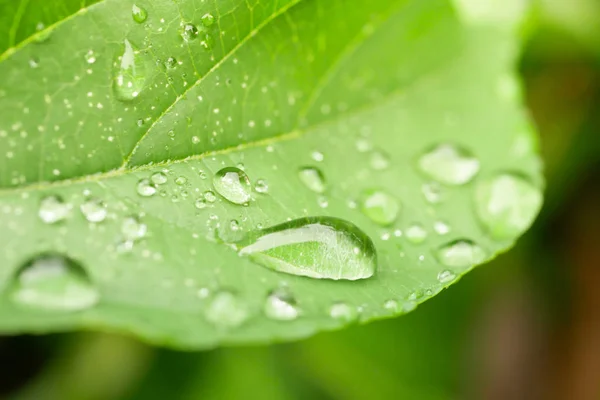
(525, 326)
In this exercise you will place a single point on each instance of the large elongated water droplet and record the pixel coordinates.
(130, 74)
(53, 282)
(233, 184)
(226, 311)
(507, 204)
(317, 247)
(381, 207)
(460, 254)
(449, 164)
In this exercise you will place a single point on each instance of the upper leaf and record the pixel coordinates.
(152, 154)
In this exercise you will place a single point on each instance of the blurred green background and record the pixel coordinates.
(526, 326)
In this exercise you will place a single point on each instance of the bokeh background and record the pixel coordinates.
(525, 326)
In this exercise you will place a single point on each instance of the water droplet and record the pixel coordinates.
(145, 188)
(200, 204)
(343, 312)
(381, 207)
(416, 234)
(139, 14)
(94, 210)
(323, 202)
(317, 247)
(53, 282)
(90, 57)
(409, 306)
(317, 156)
(281, 305)
(507, 205)
(446, 276)
(159, 178)
(391, 305)
(379, 161)
(207, 20)
(460, 254)
(313, 179)
(130, 75)
(449, 164)
(261, 186)
(210, 196)
(189, 32)
(226, 311)
(432, 192)
(171, 63)
(53, 209)
(181, 180)
(233, 184)
(132, 229)
(441, 228)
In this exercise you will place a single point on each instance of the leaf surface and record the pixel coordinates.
(408, 118)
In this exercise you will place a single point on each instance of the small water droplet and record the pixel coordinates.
(130, 74)
(446, 276)
(200, 204)
(139, 14)
(226, 311)
(171, 63)
(432, 192)
(261, 186)
(281, 305)
(379, 161)
(132, 229)
(159, 178)
(207, 20)
(181, 180)
(507, 204)
(416, 234)
(441, 228)
(317, 156)
(460, 254)
(391, 305)
(343, 312)
(313, 179)
(381, 207)
(53, 282)
(449, 164)
(90, 57)
(210, 196)
(323, 202)
(145, 188)
(317, 247)
(94, 210)
(53, 209)
(233, 184)
(189, 32)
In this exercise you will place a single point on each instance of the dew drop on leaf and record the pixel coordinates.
(210, 196)
(181, 180)
(130, 74)
(94, 210)
(441, 228)
(432, 192)
(90, 57)
(200, 204)
(317, 247)
(449, 164)
(312, 178)
(460, 254)
(53, 282)
(416, 233)
(158, 178)
(145, 188)
(261, 186)
(171, 63)
(381, 207)
(53, 209)
(391, 305)
(226, 311)
(379, 161)
(208, 20)
(446, 276)
(189, 32)
(233, 184)
(507, 204)
(132, 229)
(343, 312)
(139, 14)
(281, 305)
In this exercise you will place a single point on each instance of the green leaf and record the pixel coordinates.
(394, 126)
